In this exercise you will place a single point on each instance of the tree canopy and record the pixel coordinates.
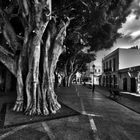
(96, 22)
(93, 27)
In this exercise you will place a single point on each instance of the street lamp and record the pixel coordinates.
(93, 66)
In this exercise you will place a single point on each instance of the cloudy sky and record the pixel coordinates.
(130, 32)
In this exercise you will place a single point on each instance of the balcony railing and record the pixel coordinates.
(108, 70)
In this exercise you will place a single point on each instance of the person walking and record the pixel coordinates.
(93, 87)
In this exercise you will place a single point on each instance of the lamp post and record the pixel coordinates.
(93, 67)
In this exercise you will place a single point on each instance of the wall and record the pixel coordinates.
(129, 58)
(111, 69)
(96, 80)
(125, 58)
(111, 57)
(98, 70)
(124, 75)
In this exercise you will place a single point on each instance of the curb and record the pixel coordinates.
(120, 102)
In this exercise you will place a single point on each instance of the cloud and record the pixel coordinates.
(135, 34)
(131, 28)
(135, 6)
(130, 32)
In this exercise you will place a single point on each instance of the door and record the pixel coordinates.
(133, 85)
(125, 84)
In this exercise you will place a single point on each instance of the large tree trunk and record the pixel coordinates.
(36, 64)
(70, 78)
(70, 71)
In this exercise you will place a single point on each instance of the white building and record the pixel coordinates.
(78, 77)
(119, 68)
(94, 73)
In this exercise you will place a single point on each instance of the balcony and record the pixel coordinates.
(108, 70)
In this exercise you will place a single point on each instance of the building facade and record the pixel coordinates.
(129, 79)
(121, 69)
(94, 73)
(110, 66)
(78, 77)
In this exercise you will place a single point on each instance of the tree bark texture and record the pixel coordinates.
(34, 67)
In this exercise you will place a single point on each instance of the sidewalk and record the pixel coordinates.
(130, 100)
(111, 120)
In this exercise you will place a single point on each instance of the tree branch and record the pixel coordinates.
(62, 31)
(8, 32)
(78, 67)
(24, 9)
(7, 59)
(65, 68)
(6, 52)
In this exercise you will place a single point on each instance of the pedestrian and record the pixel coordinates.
(93, 88)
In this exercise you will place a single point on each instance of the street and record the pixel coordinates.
(101, 119)
(113, 121)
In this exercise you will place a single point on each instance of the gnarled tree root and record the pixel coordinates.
(45, 109)
(36, 110)
(18, 107)
(53, 103)
(32, 110)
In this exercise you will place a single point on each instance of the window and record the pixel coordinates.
(114, 64)
(110, 64)
(106, 65)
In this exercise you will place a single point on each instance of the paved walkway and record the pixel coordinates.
(112, 120)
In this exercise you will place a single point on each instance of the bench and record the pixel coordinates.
(114, 93)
